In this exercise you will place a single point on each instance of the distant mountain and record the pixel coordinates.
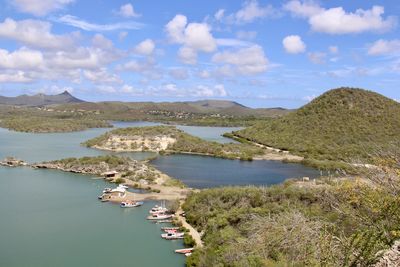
(216, 104)
(40, 100)
(341, 125)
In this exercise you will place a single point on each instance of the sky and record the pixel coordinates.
(261, 53)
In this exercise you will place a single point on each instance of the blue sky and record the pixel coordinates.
(259, 53)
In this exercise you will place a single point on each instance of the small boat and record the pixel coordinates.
(184, 250)
(130, 204)
(123, 186)
(107, 190)
(158, 210)
(164, 221)
(159, 216)
(171, 236)
(188, 254)
(169, 228)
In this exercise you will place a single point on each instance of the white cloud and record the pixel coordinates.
(251, 11)
(248, 61)
(193, 37)
(41, 7)
(55, 89)
(304, 9)
(128, 11)
(175, 29)
(21, 59)
(87, 26)
(198, 37)
(102, 42)
(179, 73)
(247, 35)
(309, 98)
(82, 58)
(293, 44)
(145, 48)
(35, 33)
(385, 47)
(317, 57)
(187, 55)
(206, 91)
(101, 76)
(204, 74)
(15, 77)
(338, 21)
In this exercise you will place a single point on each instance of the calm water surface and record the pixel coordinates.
(51, 218)
(205, 172)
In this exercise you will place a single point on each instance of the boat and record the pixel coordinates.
(159, 216)
(184, 250)
(107, 190)
(164, 221)
(130, 204)
(169, 228)
(157, 210)
(171, 236)
(188, 254)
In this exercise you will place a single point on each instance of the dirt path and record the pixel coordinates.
(193, 232)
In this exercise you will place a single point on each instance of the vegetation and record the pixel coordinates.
(184, 143)
(342, 125)
(125, 167)
(342, 223)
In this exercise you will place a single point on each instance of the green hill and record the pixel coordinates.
(343, 124)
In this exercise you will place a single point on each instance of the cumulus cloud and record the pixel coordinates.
(128, 11)
(102, 42)
(87, 26)
(21, 59)
(101, 76)
(251, 11)
(385, 47)
(40, 8)
(304, 9)
(35, 33)
(293, 44)
(338, 21)
(247, 61)
(15, 77)
(145, 47)
(194, 38)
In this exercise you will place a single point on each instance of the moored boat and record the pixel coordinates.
(130, 204)
(184, 250)
(171, 236)
(159, 216)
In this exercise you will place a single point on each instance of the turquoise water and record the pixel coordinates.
(52, 218)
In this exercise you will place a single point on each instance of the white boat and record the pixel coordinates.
(130, 204)
(184, 250)
(158, 209)
(123, 186)
(188, 254)
(170, 236)
(107, 190)
(159, 216)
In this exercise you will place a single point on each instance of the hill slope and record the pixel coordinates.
(40, 99)
(343, 124)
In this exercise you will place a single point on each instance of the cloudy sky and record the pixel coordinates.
(257, 52)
